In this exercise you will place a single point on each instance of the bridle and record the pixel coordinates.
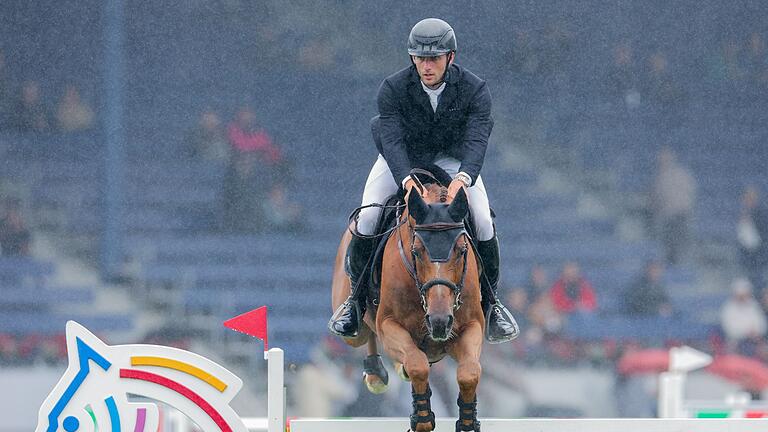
(412, 268)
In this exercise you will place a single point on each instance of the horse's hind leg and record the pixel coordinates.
(374, 374)
(466, 352)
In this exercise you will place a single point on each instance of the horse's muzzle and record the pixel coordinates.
(439, 326)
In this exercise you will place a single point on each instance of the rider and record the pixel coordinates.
(432, 112)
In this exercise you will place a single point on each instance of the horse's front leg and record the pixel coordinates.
(400, 347)
(466, 352)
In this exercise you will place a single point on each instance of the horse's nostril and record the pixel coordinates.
(450, 322)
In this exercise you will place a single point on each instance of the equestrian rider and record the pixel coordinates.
(432, 112)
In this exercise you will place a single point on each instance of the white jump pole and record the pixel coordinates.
(275, 390)
(540, 425)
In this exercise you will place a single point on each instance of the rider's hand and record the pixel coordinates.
(454, 187)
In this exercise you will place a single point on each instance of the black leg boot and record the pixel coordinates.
(500, 325)
(345, 321)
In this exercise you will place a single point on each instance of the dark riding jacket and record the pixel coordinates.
(409, 134)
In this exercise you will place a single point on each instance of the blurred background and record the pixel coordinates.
(165, 166)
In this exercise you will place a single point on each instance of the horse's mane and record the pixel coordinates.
(435, 193)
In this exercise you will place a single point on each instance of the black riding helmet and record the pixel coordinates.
(431, 37)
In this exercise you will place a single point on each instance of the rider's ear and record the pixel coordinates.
(417, 208)
(459, 206)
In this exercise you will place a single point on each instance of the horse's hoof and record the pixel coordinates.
(375, 374)
(374, 383)
(401, 372)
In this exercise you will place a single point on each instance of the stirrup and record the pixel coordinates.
(356, 309)
(505, 315)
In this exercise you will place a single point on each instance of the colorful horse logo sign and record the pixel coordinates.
(93, 393)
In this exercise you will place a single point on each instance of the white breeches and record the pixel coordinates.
(380, 185)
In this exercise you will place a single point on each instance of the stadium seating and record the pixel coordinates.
(170, 210)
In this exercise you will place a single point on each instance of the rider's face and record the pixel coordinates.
(431, 69)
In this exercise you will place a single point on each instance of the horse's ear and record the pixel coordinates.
(459, 206)
(417, 208)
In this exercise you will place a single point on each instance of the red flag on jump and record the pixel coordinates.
(253, 323)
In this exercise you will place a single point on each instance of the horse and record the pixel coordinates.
(429, 303)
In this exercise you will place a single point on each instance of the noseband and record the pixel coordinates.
(411, 266)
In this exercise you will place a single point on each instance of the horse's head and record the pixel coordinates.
(439, 249)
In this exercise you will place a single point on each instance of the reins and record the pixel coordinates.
(354, 218)
(410, 264)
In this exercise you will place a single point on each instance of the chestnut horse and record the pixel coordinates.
(429, 303)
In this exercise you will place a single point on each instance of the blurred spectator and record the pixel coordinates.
(544, 320)
(672, 202)
(325, 381)
(517, 299)
(763, 298)
(648, 296)
(538, 283)
(723, 66)
(73, 114)
(9, 350)
(523, 58)
(5, 93)
(742, 319)
(572, 292)
(243, 194)
(14, 237)
(534, 325)
(267, 171)
(247, 136)
(31, 114)
(623, 79)
(751, 231)
(208, 140)
(663, 89)
(555, 47)
(757, 60)
(316, 53)
(279, 212)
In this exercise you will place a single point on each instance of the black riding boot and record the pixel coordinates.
(345, 321)
(500, 325)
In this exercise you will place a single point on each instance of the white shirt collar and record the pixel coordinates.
(433, 94)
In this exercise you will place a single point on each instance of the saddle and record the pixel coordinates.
(388, 219)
